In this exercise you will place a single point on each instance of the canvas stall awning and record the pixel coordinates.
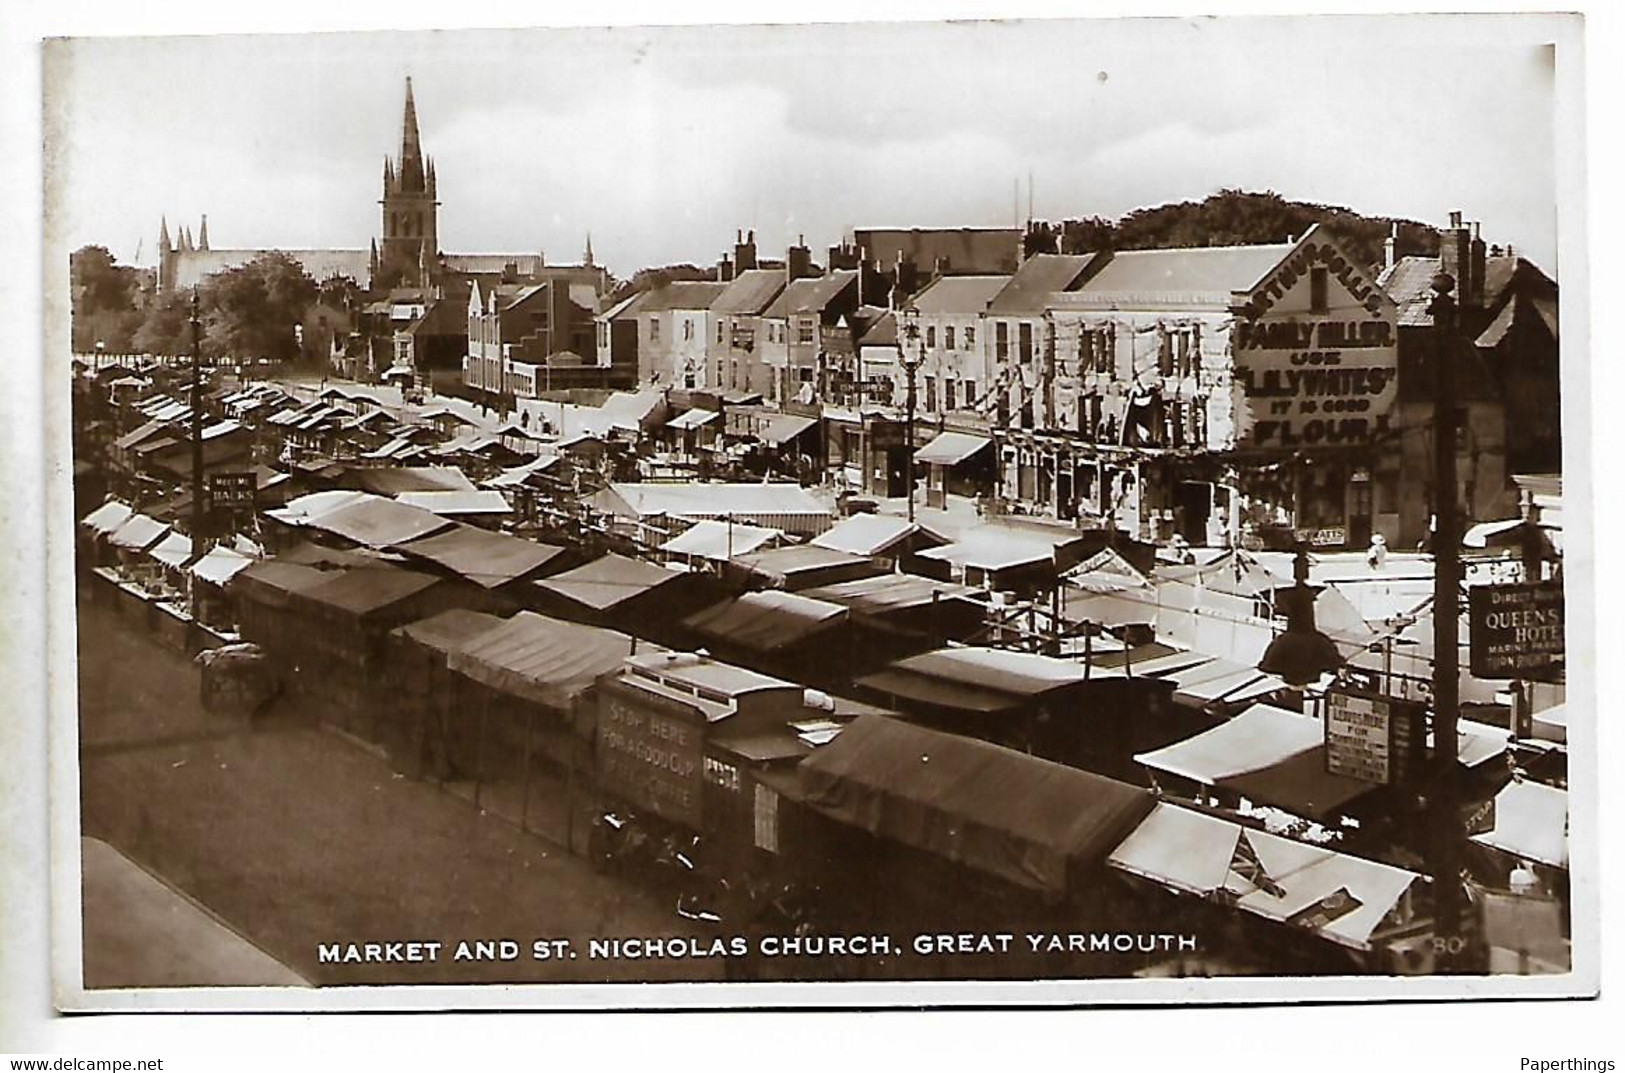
(174, 550)
(485, 558)
(766, 621)
(1180, 848)
(1531, 823)
(980, 805)
(457, 502)
(107, 517)
(689, 419)
(720, 541)
(974, 679)
(378, 523)
(890, 592)
(951, 448)
(367, 591)
(782, 428)
(807, 564)
(1552, 724)
(137, 533)
(543, 660)
(868, 534)
(449, 630)
(608, 582)
(219, 565)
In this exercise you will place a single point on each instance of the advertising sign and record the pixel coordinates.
(1373, 738)
(651, 752)
(1515, 631)
(232, 491)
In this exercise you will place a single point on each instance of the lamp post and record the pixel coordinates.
(911, 355)
(1447, 829)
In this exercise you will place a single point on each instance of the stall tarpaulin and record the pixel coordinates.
(1180, 848)
(607, 582)
(1531, 823)
(107, 517)
(544, 660)
(485, 558)
(980, 805)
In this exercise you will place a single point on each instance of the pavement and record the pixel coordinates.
(291, 837)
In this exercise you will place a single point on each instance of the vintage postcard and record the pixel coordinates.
(1038, 512)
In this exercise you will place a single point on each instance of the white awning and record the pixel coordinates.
(693, 419)
(951, 448)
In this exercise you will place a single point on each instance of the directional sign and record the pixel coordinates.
(1516, 631)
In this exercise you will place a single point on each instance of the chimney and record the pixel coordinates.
(744, 252)
(725, 270)
(1388, 245)
(908, 280)
(1455, 254)
(797, 261)
(1475, 291)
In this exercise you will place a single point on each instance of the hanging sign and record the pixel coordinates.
(1373, 738)
(1515, 631)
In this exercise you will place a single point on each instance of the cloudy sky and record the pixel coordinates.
(661, 142)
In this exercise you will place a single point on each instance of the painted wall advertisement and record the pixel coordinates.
(651, 752)
(1373, 738)
(1315, 370)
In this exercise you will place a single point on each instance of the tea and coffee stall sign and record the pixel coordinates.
(651, 752)
(1374, 738)
(1515, 631)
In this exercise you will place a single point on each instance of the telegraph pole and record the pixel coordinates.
(197, 431)
(1447, 827)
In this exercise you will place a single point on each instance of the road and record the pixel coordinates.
(293, 837)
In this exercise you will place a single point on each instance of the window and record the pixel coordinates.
(930, 394)
(1001, 341)
(1165, 352)
(1095, 350)
(1188, 356)
(970, 337)
(1025, 342)
(970, 393)
(948, 338)
(931, 336)
(719, 331)
(1317, 290)
(804, 331)
(688, 329)
(948, 395)
(654, 329)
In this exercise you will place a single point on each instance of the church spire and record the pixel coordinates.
(586, 255)
(163, 235)
(412, 178)
(203, 233)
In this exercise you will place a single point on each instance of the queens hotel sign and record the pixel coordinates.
(1315, 355)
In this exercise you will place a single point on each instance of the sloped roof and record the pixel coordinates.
(485, 558)
(1038, 277)
(802, 558)
(449, 630)
(379, 523)
(889, 592)
(702, 500)
(866, 534)
(1187, 274)
(393, 480)
(960, 295)
(766, 621)
(710, 539)
(609, 581)
(541, 659)
(107, 517)
(751, 291)
(811, 295)
(220, 564)
(974, 679)
(137, 533)
(690, 295)
(368, 590)
(457, 501)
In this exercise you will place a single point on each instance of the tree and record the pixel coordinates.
(166, 330)
(251, 311)
(104, 295)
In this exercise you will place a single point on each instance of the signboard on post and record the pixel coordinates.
(232, 491)
(1373, 738)
(1515, 631)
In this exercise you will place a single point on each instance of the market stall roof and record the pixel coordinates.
(693, 419)
(871, 534)
(137, 533)
(985, 807)
(782, 428)
(1105, 571)
(519, 475)
(1552, 724)
(951, 448)
(1180, 848)
(1531, 823)
(1258, 737)
(698, 500)
(1310, 878)
(449, 630)
(273, 582)
(107, 517)
(452, 502)
(1221, 680)
(368, 590)
(719, 540)
(1299, 784)
(174, 550)
(130, 439)
(974, 679)
(393, 480)
(542, 659)
(999, 547)
(303, 509)
(485, 558)
(220, 564)
(608, 582)
(766, 621)
(1158, 666)
(797, 560)
(379, 523)
(890, 592)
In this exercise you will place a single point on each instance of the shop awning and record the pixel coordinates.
(138, 533)
(719, 540)
(868, 534)
(766, 621)
(608, 582)
(1310, 879)
(1258, 737)
(782, 428)
(1531, 823)
(951, 448)
(543, 660)
(107, 517)
(174, 550)
(219, 565)
(985, 807)
(485, 558)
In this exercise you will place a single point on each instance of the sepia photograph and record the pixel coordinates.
(1053, 511)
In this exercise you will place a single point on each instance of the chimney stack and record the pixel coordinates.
(1388, 245)
(725, 269)
(1455, 255)
(744, 252)
(797, 261)
(1474, 292)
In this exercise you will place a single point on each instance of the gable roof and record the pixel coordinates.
(682, 295)
(609, 581)
(955, 295)
(1038, 277)
(1186, 276)
(752, 291)
(812, 295)
(487, 559)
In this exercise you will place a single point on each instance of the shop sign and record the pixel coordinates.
(1374, 738)
(1313, 382)
(721, 773)
(651, 752)
(1332, 536)
(230, 491)
(1515, 631)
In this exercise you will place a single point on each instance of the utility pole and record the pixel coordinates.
(1447, 828)
(198, 515)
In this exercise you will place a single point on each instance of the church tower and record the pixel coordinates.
(410, 230)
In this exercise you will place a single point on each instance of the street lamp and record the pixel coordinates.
(911, 356)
